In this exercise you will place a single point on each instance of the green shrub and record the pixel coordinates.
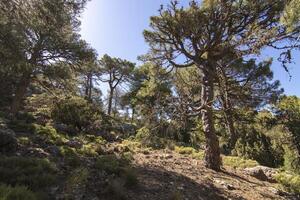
(184, 150)
(31, 172)
(256, 146)
(16, 193)
(88, 150)
(49, 134)
(75, 111)
(70, 156)
(110, 163)
(289, 182)
(130, 177)
(21, 126)
(238, 162)
(24, 140)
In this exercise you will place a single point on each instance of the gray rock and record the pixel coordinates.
(262, 173)
(8, 141)
(74, 143)
(53, 150)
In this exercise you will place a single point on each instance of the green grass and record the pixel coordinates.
(33, 173)
(238, 162)
(16, 193)
(185, 150)
(289, 181)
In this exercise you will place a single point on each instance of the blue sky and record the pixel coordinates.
(115, 27)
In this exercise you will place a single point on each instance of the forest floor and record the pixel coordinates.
(89, 168)
(164, 174)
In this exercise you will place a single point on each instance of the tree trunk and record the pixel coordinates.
(212, 157)
(20, 93)
(132, 115)
(231, 129)
(110, 98)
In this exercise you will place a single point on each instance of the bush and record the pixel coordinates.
(16, 193)
(49, 134)
(184, 150)
(76, 112)
(111, 164)
(256, 146)
(238, 162)
(289, 182)
(33, 173)
(8, 141)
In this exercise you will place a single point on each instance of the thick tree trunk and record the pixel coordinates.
(212, 151)
(110, 98)
(20, 93)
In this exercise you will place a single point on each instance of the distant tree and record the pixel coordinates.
(35, 35)
(203, 34)
(288, 112)
(244, 84)
(114, 71)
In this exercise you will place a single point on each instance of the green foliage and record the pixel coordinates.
(289, 182)
(16, 193)
(238, 162)
(36, 174)
(70, 155)
(288, 112)
(184, 150)
(291, 15)
(110, 164)
(76, 112)
(256, 146)
(49, 134)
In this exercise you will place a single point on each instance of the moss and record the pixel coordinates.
(16, 193)
(33, 173)
(238, 162)
(289, 181)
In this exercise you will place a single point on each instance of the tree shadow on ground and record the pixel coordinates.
(159, 184)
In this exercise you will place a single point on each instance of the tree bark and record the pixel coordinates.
(20, 93)
(212, 157)
(231, 129)
(110, 98)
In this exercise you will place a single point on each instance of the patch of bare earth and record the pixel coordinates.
(167, 175)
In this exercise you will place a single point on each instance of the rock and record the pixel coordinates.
(224, 184)
(8, 141)
(53, 150)
(262, 173)
(62, 128)
(38, 152)
(74, 143)
(168, 156)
